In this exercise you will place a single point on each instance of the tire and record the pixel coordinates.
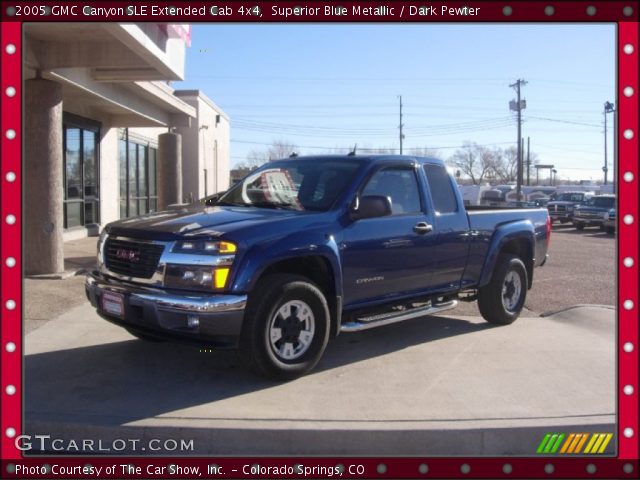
(285, 306)
(579, 226)
(144, 336)
(495, 306)
(611, 230)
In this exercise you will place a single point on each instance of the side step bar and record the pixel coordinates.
(364, 323)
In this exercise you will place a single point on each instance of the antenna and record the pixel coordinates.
(293, 155)
(352, 153)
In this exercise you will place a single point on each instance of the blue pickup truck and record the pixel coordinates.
(305, 248)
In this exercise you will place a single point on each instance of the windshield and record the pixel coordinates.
(312, 184)
(603, 202)
(571, 197)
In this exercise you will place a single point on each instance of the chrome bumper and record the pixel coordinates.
(171, 314)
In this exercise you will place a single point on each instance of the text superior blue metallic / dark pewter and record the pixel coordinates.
(305, 248)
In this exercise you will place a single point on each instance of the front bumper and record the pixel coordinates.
(588, 220)
(201, 319)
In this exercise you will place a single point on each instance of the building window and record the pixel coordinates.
(81, 171)
(138, 192)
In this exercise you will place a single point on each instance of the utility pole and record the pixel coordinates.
(608, 108)
(518, 106)
(401, 125)
(528, 160)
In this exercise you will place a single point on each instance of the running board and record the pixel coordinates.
(364, 323)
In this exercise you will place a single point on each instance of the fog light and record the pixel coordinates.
(220, 279)
(193, 321)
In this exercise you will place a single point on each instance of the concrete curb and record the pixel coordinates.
(580, 305)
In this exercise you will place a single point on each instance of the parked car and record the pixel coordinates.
(305, 248)
(562, 207)
(591, 213)
(610, 221)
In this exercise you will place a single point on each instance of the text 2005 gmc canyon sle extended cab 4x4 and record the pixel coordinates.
(307, 247)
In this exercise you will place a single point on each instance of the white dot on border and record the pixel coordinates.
(549, 468)
(10, 304)
(10, 177)
(628, 304)
(10, 432)
(628, 432)
(549, 10)
(628, 49)
(628, 347)
(10, 92)
(627, 11)
(10, 390)
(591, 10)
(10, 262)
(381, 468)
(628, 219)
(423, 468)
(507, 468)
(10, 49)
(628, 91)
(591, 468)
(628, 134)
(465, 468)
(10, 347)
(628, 262)
(627, 468)
(11, 134)
(628, 389)
(507, 10)
(628, 176)
(11, 219)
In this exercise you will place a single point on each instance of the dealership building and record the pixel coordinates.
(106, 137)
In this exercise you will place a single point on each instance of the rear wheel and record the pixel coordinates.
(502, 299)
(286, 327)
(579, 226)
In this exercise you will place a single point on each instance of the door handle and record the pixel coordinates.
(422, 227)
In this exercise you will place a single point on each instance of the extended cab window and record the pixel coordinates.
(400, 185)
(442, 194)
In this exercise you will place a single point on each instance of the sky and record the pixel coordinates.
(323, 86)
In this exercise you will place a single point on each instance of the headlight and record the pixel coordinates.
(196, 277)
(206, 247)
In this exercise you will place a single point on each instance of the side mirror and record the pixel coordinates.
(371, 206)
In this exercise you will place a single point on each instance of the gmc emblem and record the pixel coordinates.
(130, 255)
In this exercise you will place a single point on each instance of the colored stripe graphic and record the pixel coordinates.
(543, 443)
(574, 443)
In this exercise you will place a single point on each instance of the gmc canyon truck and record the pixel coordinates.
(305, 248)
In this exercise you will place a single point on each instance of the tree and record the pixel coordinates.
(474, 161)
(278, 149)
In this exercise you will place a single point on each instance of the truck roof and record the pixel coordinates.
(369, 158)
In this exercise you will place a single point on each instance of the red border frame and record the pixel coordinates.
(627, 107)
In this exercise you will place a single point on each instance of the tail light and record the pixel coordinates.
(548, 230)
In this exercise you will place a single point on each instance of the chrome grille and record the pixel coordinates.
(130, 258)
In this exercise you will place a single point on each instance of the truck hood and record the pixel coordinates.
(202, 221)
(567, 203)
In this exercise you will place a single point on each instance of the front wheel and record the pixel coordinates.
(579, 226)
(502, 299)
(286, 327)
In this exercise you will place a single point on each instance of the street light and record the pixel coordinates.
(608, 108)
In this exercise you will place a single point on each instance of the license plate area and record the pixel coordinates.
(112, 303)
